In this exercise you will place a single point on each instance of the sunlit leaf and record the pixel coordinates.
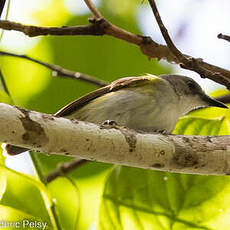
(202, 126)
(23, 78)
(20, 196)
(143, 199)
(78, 196)
(4, 91)
(208, 121)
(219, 92)
(2, 157)
(3, 182)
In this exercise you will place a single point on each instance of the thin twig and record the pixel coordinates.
(93, 9)
(6, 16)
(225, 99)
(101, 27)
(2, 4)
(223, 36)
(64, 169)
(186, 62)
(58, 71)
(165, 33)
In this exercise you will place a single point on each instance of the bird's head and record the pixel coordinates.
(191, 95)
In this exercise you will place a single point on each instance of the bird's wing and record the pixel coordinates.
(114, 86)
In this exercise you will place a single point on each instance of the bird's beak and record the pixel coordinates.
(212, 102)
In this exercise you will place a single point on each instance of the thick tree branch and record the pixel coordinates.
(46, 133)
(58, 71)
(33, 31)
(101, 27)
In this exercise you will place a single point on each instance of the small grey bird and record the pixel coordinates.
(145, 103)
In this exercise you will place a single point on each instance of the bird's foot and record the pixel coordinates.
(161, 131)
(109, 124)
(153, 131)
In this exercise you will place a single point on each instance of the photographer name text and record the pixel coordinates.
(23, 224)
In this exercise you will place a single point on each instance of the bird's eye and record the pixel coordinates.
(191, 85)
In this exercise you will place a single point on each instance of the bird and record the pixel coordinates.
(145, 103)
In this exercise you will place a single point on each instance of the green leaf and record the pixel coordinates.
(78, 196)
(23, 197)
(143, 199)
(4, 92)
(202, 126)
(208, 121)
(3, 183)
(2, 158)
(67, 201)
